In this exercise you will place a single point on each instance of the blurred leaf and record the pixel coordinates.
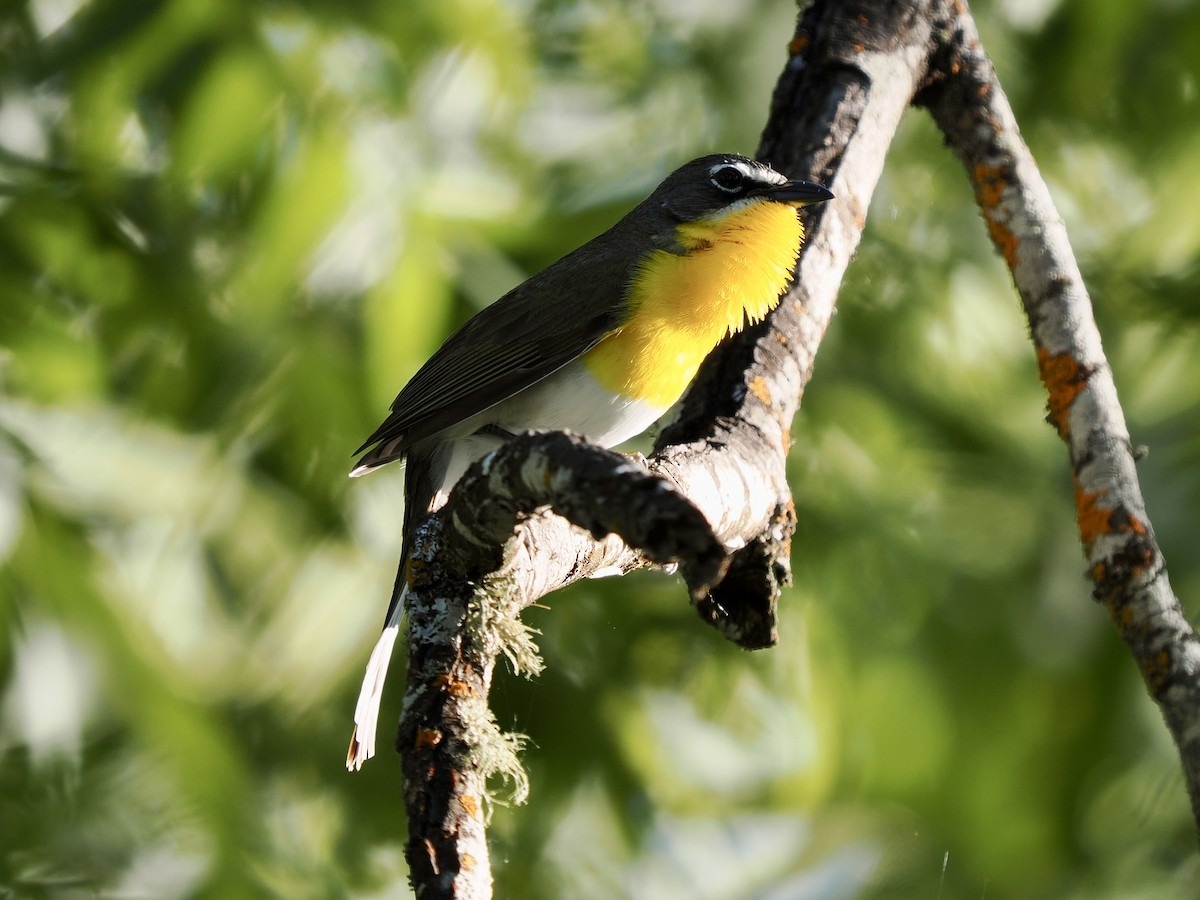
(236, 88)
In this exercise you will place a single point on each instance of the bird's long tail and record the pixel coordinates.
(366, 712)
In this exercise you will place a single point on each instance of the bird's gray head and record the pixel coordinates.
(721, 182)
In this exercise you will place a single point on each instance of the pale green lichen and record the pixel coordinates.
(495, 752)
(494, 623)
(494, 620)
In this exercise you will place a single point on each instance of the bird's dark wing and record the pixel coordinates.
(529, 333)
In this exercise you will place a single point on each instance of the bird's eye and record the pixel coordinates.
(730, 179)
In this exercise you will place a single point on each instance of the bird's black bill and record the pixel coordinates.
(800, 193)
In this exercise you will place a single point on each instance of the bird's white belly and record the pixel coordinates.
(572, 400)
(569, 400)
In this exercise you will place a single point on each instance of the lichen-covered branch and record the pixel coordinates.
(1126, 565)
(472, 572)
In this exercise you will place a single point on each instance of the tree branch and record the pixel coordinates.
(473, 571)
(1126, 566)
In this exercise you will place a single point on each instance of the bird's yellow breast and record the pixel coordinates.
(735, 268)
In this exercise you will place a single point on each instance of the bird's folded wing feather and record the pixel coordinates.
(526, 335)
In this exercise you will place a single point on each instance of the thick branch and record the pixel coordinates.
(470, 578)
(1126, 565)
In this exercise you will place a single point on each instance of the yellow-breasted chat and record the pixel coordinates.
(600, 343)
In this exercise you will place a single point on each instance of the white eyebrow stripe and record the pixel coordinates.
(761, 174)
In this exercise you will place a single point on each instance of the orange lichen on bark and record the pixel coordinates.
(454, 687)
(990, 183)
(1139, 527)
(428, 737)
(1094, 520)
(470, 805)
(760, 390)
(1006, 242)
(1064, 378)
(1156, 670)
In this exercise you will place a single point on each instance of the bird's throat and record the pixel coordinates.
(682, 305)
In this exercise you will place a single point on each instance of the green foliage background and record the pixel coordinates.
(229, 230)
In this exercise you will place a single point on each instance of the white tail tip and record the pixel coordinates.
(366, 712)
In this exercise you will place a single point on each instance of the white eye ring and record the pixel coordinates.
(720, 178)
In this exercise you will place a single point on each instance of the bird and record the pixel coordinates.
(601, 343)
